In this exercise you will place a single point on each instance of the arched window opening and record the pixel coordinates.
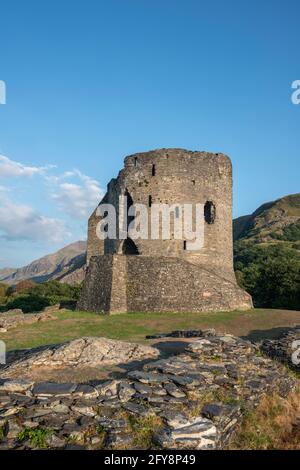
(129, 247)
(153, 170)
(209, 212)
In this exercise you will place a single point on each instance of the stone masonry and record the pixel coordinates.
(162, 275)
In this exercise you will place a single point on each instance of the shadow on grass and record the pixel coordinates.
(273, 333)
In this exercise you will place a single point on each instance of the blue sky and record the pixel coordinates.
(91, 82)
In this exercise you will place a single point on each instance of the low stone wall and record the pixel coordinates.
(13, 318)
(193, 400)
(119, 283)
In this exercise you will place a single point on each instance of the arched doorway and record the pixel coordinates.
(129, 247)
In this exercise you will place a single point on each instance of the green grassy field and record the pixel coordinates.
(255, 324)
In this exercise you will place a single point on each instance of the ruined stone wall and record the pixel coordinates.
(97, 287)
(118, 283)
(174, 285)
(173, 176)
(95, 246)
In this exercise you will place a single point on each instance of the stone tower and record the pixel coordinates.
(162, 275)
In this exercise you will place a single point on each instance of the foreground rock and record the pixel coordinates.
(81, 353)
(192, 400)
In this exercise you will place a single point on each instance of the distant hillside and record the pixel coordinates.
(267, 253)
(273, 221)
(65, 265)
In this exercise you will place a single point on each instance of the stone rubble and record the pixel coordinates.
(193, 400)
(16, 317)
(282, 348)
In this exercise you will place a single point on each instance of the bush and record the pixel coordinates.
(35, 298)
(56, 290)
(28, 303)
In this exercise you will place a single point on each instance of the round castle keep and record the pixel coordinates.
(163, 275)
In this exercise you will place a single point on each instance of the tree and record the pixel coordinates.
(270, 273)
(24, 285)
(3, 289)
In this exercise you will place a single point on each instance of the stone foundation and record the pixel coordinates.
(119, 284)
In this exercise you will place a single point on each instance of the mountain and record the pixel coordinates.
(66, 265)
(276, 221)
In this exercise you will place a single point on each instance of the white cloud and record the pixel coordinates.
(12, 169)
(74, 193)
(78, 198)
(22, 222)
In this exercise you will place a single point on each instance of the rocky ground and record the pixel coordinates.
(16, 317)
(192, 400)
(79, 353)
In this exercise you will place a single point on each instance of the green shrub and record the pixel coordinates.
(27, 303)
(37, 437)
(39, 296)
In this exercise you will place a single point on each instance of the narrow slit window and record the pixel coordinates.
(105, 227)
(184, 245)
(135, 161)
(153, 170)
(150, 201)
(177, 212)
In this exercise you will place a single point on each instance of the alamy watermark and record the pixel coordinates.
(2, 352)
(139, 221)
(295, 97)
(296, 353)
(2, 92)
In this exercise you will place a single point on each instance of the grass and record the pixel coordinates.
(135, 326)
(2, 433)
(198, 400)
(143, 429)
(275, 424)
(37, 437)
